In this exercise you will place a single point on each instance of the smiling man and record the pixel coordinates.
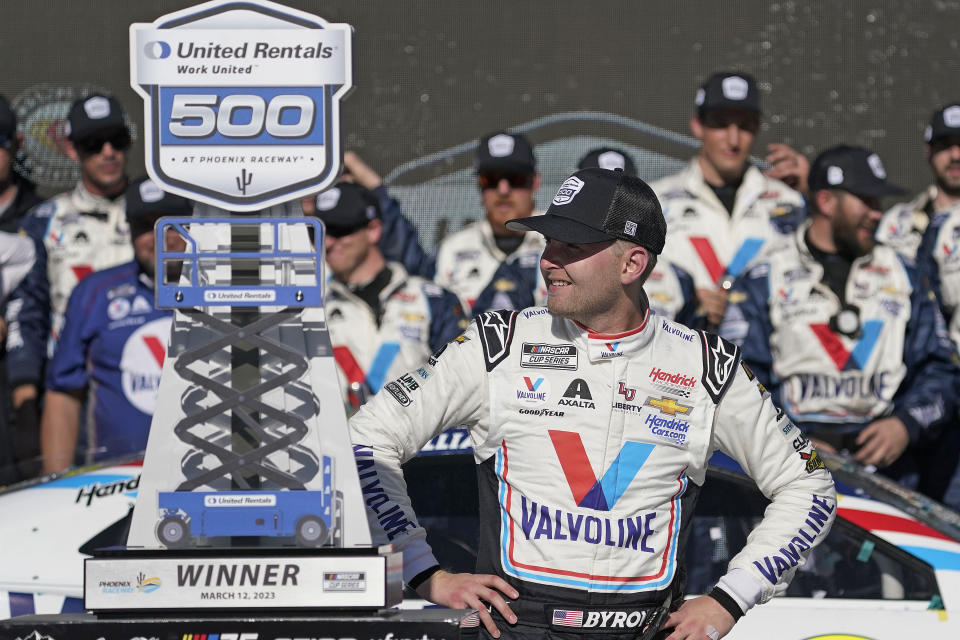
(845, 332)
(720, 209)
(592, 422)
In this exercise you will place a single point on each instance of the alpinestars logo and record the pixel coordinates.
(589, 492)
(855, 358)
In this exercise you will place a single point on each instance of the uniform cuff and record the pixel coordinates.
(914, 428)
(742, 589)
(417, 558)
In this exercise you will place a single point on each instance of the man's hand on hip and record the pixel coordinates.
(471, 591)
(701, 618)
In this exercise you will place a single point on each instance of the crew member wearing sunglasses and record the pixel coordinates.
(75, 233)
(488, 265)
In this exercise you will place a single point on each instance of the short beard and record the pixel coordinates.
(951, 190)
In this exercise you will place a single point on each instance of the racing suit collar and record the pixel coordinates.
(606, 346)
(751, 186)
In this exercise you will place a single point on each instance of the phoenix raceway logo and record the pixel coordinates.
(588, 491)
(147, 584)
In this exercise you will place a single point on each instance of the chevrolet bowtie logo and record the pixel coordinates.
(667, 405)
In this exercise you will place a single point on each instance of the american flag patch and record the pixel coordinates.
(567, 618)
(472, 620)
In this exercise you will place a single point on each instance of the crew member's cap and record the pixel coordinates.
(93, 115)
(346, 207)
(8, 124)
(853, 169)
(944, 122)
(596, 204)
(608, 158)
(505, 153)
(146, 202)
(728, 90)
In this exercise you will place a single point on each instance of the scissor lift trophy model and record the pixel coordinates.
(249, 502)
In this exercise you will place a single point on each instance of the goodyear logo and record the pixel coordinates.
(668, 406)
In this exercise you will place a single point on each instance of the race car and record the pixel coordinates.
(890, 566)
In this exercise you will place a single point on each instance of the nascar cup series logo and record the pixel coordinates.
(242, 101)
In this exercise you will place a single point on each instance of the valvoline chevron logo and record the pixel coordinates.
(588, 491)
(533, 390)
(856, 357)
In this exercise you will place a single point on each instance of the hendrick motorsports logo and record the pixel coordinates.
(241, 101)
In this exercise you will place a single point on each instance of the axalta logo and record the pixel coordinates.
(659, 375)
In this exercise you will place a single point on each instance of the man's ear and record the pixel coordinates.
(696, 127)
(71, 151)
(826, 202)
(375, 230)
(633, 263)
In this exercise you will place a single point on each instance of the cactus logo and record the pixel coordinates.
(242, 101)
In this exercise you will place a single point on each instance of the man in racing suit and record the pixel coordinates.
(903, 224)
(592, 422)
(112, 346)
(382, 321)
(843, 331)
(488, 265)
(721, 210)
(74, 234)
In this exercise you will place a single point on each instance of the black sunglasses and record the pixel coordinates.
(119, 140)
(515, 180)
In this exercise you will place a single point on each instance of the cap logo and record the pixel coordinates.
(928, 133)
(97, 107)
(701, 96)
(734, 88)
(951, 116)
(500, 145)
(876, 166)
(570, 187)
(630, 228)
(611, 160)
(834, 175)
(328, 199)
(150, 192)
(370, 213)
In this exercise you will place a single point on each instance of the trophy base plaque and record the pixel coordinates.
(435, 624)
(289, 579)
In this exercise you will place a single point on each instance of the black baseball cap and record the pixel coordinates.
(93, 115)
(146, 202)
(346, 207)
(8, 124)
(608, 158)
(728, 90)
(944, 122)
(506, 153)
(596, 204)
(853, 169)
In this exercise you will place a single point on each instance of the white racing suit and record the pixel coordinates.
(591, 451)
(74, 233)
(712, 244)
(903, 225)
(470, 264)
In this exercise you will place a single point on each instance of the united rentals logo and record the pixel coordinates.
(588, 491)
(835, 345)
(668, 406)
(242, 101)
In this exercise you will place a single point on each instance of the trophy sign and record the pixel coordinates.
(249, 497)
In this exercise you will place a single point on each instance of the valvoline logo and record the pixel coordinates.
(611, 350)
(533, 390)
(588, 491)
(856, 357)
